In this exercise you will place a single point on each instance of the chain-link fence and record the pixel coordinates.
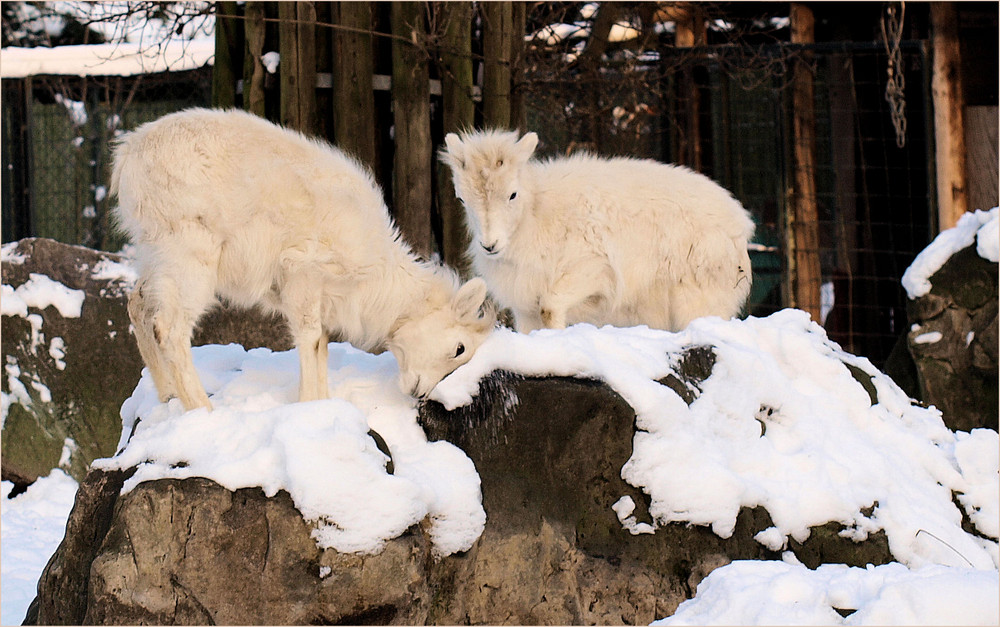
(727, 112)
(723, 110)
(57, 132)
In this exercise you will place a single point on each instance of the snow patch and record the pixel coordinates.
(980, 227)
(319, 452)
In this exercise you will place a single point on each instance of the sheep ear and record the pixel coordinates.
(526, 146)
(470, 298)
(456, 150)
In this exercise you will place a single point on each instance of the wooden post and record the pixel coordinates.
(458, 112)
(297, 46)
(949, 132)
(690, 31)
(411, 189)
(253, 67)
(497, 56)
(224, 67)
(353, 67)
(803, 246)
(518, 111)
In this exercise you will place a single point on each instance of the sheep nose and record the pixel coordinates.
(490, 249)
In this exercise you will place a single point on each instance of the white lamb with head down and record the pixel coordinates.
(224, 204)
(583, 238)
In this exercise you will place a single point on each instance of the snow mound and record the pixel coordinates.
(980, 227)
(779, 593)
(787, 421)
(319, 452)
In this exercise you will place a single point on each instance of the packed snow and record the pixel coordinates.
(319, 452)
(123, 59)
(139, 45)
(781, 423)
(788, 593)
(979, 227)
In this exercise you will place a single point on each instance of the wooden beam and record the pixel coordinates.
(411, 186)
(458, 112)
(224, 69)
(255, 31)
(353, 66)
(297, 46)
(949, 131)
(497, 56)
(803, 246)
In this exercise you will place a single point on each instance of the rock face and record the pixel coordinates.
(954, 341)
(549, 452)
(78, 394)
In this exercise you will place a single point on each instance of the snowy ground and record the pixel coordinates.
(825, 453)
(31, 526)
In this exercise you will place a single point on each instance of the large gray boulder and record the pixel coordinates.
(953, 341)
(549, 452)
(67, 376)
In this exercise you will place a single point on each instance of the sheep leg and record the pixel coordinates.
(584, 289)
(303, 312)
(141, 316)
(164, 321)
(526, 321)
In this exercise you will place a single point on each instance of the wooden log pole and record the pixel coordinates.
(411, 186)
(949, 131)
(497, 55)
(458, 112)
(255, 31)
(353, 67)
(224, 68)
(803, 246)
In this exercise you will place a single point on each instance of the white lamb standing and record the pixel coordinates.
(224, 204)
(617, 241)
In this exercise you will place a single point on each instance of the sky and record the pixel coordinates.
(781, 424)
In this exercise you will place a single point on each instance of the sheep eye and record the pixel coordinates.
(513, 196)
(460, 349)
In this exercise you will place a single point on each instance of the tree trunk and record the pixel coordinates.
(411, 115)
(497, 56)
(353, 66)
(226, 54)
(253, 67)
(298, 64)
(804, 264)
(458, 111)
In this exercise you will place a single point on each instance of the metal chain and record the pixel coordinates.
(892, 34)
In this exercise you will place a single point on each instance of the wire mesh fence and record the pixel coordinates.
(723, 110)
(56, 148)
(727, 111)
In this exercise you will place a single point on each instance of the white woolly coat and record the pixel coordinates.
(616, 241)
(226, 204)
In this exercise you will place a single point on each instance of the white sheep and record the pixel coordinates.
(226, 205)
(617, 241)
